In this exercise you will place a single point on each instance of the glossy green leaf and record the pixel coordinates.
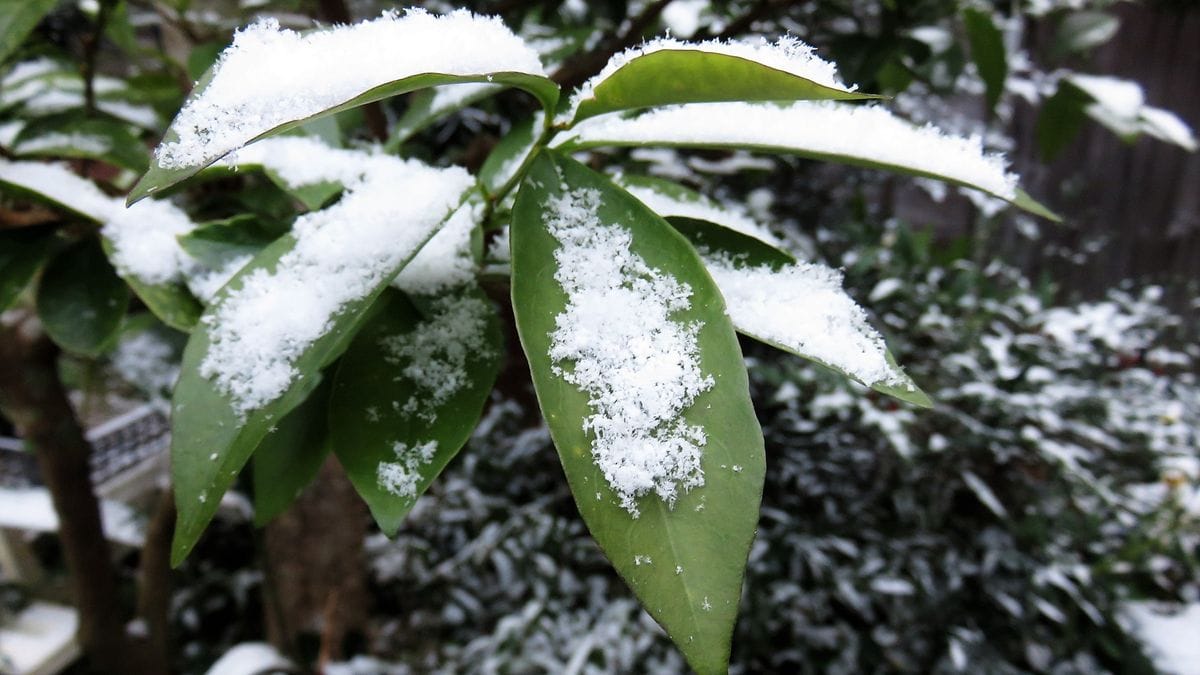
(290, 455)
(81, 300)
(72, 135)
(18, 18)
(1060, 119)
(171, 302)
(1081, 31)
(748, 251)
(159, 178)
(210, 439)
(382, 414)
(684, 562)
(987, 51)
(22, 252)
(502, 162)
(669, 199)
(673, 76)
(429, 105)
(216, 242)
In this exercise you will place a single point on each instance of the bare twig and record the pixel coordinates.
(582, 66)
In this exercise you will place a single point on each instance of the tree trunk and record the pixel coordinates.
(34, 400)
(316, 567)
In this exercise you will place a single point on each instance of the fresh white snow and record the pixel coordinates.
(856, 133)
(250, 658)
(400, 477)
(270, 76)
(342, 253)
(802, 307)
(786, 54)
(143, 236)
(665, 205)
(618, 342)
(1170, 636)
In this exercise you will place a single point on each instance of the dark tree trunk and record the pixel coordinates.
(34, 400)
(316, 567)
(154, 585)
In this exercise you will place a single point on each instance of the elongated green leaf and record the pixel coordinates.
(408, 393)
(172, 302)
(215, 243)
(867, 136)
(18, 18)
(1081, 31)
(429, 105)
(81, 300)
(76, 136)
(987, 51)
(694, 75)
(288, 457)
(159, 178)
(22, 252)
(684, 561)
(505, 158)
(669, 199)
(746, 252)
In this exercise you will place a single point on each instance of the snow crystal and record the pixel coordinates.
(143, 236)
(802, 307)
(400, 478)
(270, 76)
(702, 209)
(341, 254)
(617, 342)
(855, 132)
(434, 354)
(786, 54)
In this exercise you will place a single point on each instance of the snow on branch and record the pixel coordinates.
(270, 76)
(854, 134)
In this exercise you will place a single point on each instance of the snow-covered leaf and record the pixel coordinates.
(505, 159)
(429, 105)
(409, 391)
(75, 136)
(851, 134)
(264, 340)
(271, 80)
(641, 380)
(669, 199)
(667, 71)
(81, 300)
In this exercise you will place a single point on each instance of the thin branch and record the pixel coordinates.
(579, 68)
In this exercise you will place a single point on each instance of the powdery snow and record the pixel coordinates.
(616, 340)
(803, 307)
(400, 478)
(787, 54)
(270, 76)
(1170, 638)
(341, 254)
(143, 236)
(446, 261)
(96, 145)
(434, 354)
(856, 133)
(702, 209)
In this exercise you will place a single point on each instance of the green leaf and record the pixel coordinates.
(987, 51)
(428, 105)
(159, 178)
(289, 456)
(740, 127)
(210, 439)
(748, 251)
(81, 300)
(216, 242)
(1060, 119)
(22, 252)
(390, 398)
(684, 562)
(672, 76)
(501, 162)
(669, 199)
(74, 135)
(18, 18)
(171, 302)
(1081, 31)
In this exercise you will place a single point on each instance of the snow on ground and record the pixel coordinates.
(250, 658)
(1172, 639)
(31, 509)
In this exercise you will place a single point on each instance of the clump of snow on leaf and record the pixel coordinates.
(855, 133)
(342, 254)
(667, 205)
(803, 307)
(270, 76)
(143, 236)
(786, 54)
(400, 478)
(434, 354)
(616, 340)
